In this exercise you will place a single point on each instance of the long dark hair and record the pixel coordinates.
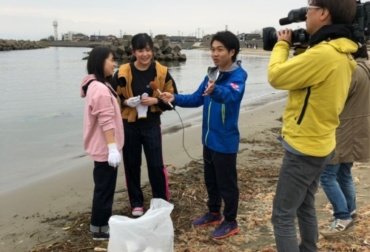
(95, 63)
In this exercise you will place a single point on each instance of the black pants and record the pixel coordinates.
(221, 181)
(148, 136)
(105, 178)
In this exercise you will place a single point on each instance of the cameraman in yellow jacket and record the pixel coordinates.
(318, 81)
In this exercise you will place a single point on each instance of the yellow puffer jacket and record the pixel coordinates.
(129, 113)
(318, 81)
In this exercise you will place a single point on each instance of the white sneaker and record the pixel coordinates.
(137, 211)
(337, 227)
(353, 216)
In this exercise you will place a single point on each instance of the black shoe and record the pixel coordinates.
(100, 236)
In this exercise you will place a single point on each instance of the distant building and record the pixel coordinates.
(97, 38)
(207, 38)
(80, 37)
(111, 38)
(68, 36)
(102, 38)
(249, 36)
(241, 36)
(71, 36)
(182, 39)
(250, 40)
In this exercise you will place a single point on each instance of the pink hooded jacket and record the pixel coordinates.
(102, 112)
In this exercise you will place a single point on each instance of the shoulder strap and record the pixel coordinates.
(85, 87)
(112, 91)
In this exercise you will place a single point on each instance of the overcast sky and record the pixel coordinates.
(32, 19)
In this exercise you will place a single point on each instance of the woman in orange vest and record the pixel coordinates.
(141, 111)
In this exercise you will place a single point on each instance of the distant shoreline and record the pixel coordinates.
(75, 43)
(13, 45)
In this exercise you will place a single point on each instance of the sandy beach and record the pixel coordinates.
(44, 215)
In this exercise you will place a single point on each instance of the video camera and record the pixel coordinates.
(361, 27)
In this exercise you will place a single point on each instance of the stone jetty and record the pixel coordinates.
(9, 45)
(164, 50)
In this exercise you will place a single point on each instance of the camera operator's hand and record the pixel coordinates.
(285, 35)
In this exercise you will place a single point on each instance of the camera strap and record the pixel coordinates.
(329, 32)
(86, 86)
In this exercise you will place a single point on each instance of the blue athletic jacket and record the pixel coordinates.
(220, 131)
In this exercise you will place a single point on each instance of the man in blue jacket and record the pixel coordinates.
(220, 93)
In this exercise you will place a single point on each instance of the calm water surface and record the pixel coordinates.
(41, 111)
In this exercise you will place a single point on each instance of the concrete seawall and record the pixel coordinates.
(75, 43)
(9, 45)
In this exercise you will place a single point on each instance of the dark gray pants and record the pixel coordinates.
(295, 197)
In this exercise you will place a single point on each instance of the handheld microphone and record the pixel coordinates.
(154, 86)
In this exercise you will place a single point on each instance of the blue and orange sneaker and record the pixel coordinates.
(226, 229)
(208, 219)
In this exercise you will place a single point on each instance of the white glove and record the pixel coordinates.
(142, 109)
(114, 156)
(133, 101)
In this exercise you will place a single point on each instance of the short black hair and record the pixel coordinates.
(229, 40)
(95, 62)
(141, 41)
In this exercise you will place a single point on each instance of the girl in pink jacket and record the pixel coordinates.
(103, 136)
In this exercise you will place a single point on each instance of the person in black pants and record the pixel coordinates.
(220, 93)
(141, 110)
(103, 135)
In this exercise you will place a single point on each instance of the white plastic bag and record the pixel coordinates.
(152, 232)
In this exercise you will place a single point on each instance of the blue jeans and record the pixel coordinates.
(336, 180)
